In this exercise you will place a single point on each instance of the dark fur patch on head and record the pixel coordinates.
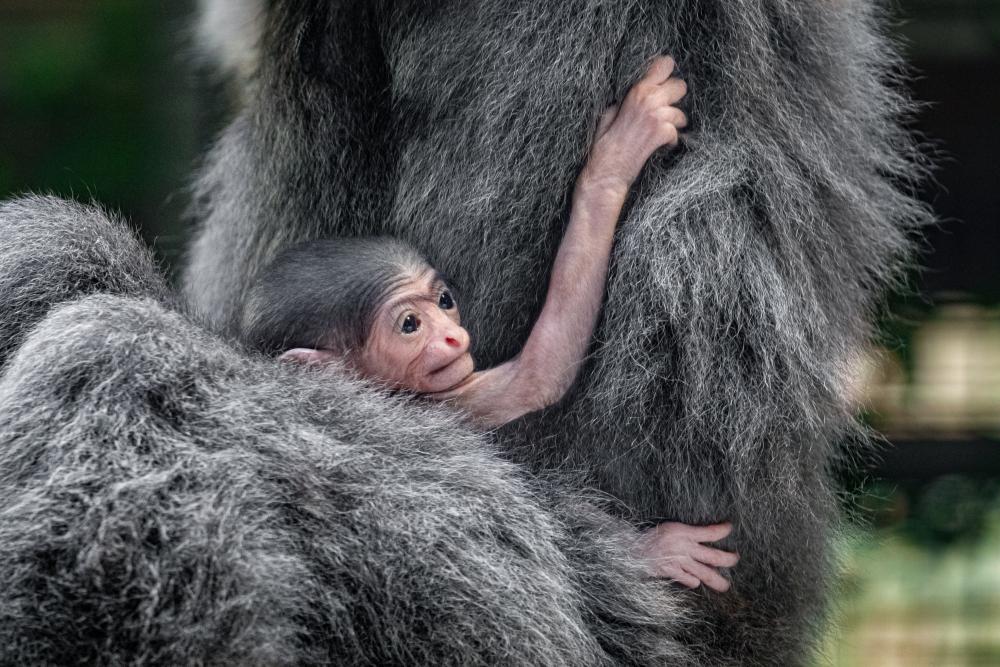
(325, 294)
(167, 500)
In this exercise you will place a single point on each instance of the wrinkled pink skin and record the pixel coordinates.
(433, 358)
(418, 344)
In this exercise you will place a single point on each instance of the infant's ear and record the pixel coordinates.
(308, 356)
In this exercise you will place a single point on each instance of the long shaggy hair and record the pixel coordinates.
(744, 275)
(167, 499)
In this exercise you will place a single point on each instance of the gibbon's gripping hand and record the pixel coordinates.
(631, 132)
(675, 551)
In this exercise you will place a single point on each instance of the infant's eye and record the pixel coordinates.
(446, 302)
(410, 324)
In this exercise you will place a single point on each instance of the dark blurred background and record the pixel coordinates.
(99, 100)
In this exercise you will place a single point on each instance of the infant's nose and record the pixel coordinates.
(457, 338)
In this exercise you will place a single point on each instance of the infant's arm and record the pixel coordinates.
(548, 364)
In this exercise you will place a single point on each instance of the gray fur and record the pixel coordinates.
(744, 276)
(229, 34)
(55, 250)
(167, 499)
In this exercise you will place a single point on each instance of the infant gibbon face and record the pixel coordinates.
(417, 341)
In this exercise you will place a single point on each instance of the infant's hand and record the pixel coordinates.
(674, 551)
(646, 120)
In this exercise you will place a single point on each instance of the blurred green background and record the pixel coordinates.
(99, 99)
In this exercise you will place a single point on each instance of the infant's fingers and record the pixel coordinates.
(680, 119)
(672, 568)
(708, 576)
(716, 557)
(683, 578)
(669, 135)
(712, 533)
(659, 70)
(675, 89)
(672, 115)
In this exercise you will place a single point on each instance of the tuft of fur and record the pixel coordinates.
(167, 499)
(745, 272)
(229, 33)
(55, 250)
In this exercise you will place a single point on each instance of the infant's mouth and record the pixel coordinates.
(451, 374)
(442, 369)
